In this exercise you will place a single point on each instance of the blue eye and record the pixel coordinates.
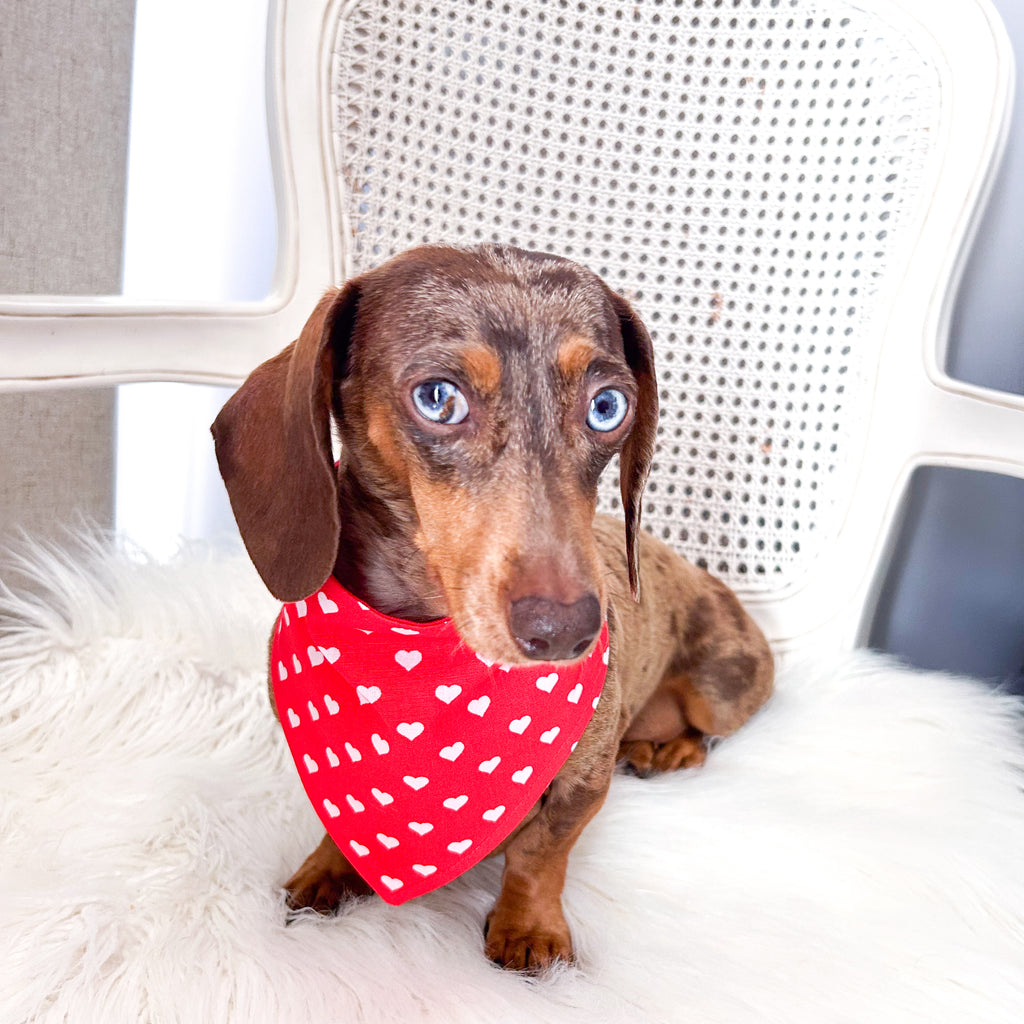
(440, 401)
(608, 409)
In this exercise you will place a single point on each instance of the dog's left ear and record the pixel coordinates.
(638, 451)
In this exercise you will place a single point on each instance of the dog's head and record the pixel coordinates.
(478, 394)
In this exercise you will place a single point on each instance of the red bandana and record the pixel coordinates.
(419, 756)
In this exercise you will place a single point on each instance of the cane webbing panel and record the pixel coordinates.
(741, 170)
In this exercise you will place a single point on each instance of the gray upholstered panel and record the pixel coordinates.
(65, 74)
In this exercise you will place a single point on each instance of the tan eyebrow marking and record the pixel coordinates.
(483, 368)
(575, 355)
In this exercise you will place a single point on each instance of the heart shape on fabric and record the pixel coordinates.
(442, 753)
(408, 659)
(327, 606)
(479, 706)
(547, 683)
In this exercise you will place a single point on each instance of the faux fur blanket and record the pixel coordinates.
(855, 854)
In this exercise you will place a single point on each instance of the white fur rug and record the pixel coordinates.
(855, 854)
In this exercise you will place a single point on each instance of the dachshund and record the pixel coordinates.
(462, 381)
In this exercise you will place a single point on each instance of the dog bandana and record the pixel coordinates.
(418, 755)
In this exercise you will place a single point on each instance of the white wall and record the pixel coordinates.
(200, 224)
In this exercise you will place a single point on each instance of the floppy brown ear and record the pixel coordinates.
(638, 451)
(273, 445)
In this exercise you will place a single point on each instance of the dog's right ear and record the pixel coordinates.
(273, 445)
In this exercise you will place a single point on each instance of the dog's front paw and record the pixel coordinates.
(324, 880)
(531, 942)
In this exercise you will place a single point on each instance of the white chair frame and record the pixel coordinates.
(919, 415)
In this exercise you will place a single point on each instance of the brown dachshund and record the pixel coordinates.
(463, 381)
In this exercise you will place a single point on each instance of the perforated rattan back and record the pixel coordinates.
(752, 174)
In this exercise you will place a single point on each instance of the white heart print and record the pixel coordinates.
(460, 847)
(331, 704)
(447, 694)
(380, 744)
(479, 706)
(547, 683)
(408, 659)
(522, 775)
(368, 694)
(519, 726)
(456, 803)
(410, 730)
(327, 606)
(381, 797)
(452, 752)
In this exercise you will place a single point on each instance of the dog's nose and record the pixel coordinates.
(550, 631)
